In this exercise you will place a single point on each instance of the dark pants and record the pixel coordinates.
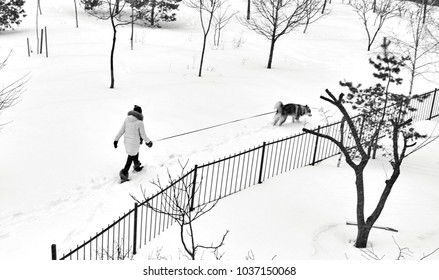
(130, 160)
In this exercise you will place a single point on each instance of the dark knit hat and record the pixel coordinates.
(137, 109)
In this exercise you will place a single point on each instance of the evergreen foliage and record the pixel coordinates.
(11, 12)
(377, 103)
(91, 4)
(154, 11)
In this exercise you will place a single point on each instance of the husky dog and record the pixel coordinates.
(293, 110)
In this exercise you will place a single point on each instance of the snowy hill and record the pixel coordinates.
(59, 170)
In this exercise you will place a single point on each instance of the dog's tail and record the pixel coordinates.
(278, 106)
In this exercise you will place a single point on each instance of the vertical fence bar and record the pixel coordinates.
(362, 127)
(315, 147)
(432, 104)
(135, 229)
(194, 183)
(28, 47)
(207, 180)
(53, 249)
(45, 38)
(42, 38)
(262, 163)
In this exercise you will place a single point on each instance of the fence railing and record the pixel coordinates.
(221, 178)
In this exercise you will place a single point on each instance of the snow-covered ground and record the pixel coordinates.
(58, 181)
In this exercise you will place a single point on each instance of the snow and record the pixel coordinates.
(59, 180)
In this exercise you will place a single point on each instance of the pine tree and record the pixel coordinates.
(154, 11)
(11, 12)
(91, 4)
(370, 101)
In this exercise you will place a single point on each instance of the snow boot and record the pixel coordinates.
(138, 167)
(123, 177)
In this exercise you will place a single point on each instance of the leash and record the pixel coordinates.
(213, 126)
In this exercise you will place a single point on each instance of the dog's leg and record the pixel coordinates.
(293, 118)
(282, 119)
(276, 119)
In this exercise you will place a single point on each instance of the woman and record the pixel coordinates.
(134, 132)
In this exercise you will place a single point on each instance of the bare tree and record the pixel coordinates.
(206, 10)
(10, 94)
(275, 18)
(177, 202)
(420, 44)
(111, 10)
(390, 121)
(374, 14)
(221, 19)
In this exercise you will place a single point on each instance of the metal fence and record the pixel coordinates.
(221, 178)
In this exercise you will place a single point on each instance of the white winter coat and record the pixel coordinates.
(132, 129)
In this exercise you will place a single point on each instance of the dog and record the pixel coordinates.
(291, 109)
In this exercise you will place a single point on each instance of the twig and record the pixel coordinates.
(402, 252)
(426, 256)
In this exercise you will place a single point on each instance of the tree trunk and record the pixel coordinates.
(324, 7)
(412, 81)
(359, 183)
(306, 26)
(117, 6)
(36, 28)
(248, 10)
(270, 58)
(362, 236)
(76, 14)
(413, 70)
(425, 11)
(219, 37)
(153, 5)
(112, 53)
(202, 55)
(132, 28)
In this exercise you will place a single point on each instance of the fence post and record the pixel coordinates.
(28, 47)
(262, 163)
(432, 104)
(42, 38)
(45, 37)
(194, 183)
(53, 248)
(136, 206)
(315, 147)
